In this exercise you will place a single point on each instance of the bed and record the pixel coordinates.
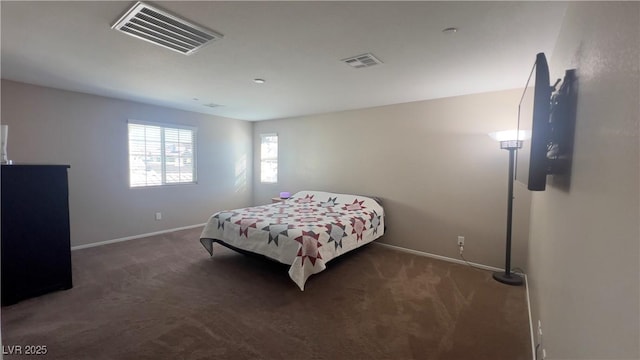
(305, 231)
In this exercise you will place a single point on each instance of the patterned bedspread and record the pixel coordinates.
(305, 231)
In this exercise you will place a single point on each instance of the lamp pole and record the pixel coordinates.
(507, 277)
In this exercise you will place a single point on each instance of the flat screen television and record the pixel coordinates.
(532, 165)
(546, 117)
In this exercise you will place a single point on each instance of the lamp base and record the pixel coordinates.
(510, 279)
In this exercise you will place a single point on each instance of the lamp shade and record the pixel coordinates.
(508, 135)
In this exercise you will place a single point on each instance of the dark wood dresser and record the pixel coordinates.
(36, 251)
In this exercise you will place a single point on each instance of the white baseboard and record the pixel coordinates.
(533, 344)
(440, 257)
(100, 243)
(486, 267)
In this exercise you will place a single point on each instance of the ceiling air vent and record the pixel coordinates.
(362, 61)
(161, 28)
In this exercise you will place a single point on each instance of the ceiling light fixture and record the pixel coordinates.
(259, 81)
(450, 30)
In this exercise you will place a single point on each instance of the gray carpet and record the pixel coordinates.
(163, 297)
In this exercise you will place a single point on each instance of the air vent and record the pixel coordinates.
(362, 61)
(161, 28)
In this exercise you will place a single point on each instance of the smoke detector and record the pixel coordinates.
(159, 27)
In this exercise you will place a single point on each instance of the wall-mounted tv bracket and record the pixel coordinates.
(562, 124)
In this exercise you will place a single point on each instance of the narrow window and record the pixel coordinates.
(269, 158)
(161, 154)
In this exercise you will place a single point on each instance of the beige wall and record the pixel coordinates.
(584, 244)
(432, 162)
(90, 133)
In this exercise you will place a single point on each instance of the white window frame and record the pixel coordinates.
(262, 158)
(163, 155)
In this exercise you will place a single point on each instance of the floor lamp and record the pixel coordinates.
(508, 143)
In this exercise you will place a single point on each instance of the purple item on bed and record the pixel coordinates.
(285, 195)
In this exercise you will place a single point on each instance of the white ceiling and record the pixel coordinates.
(295, 46)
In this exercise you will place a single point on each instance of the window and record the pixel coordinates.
(161, 155)
(269, 158)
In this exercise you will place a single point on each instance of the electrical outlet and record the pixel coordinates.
(539, 332)
(158, 216)
(461, 244)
